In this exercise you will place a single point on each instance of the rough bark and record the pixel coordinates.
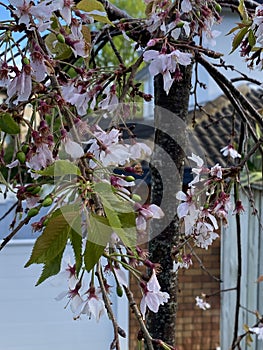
(170, 135)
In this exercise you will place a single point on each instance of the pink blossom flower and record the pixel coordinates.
(184, 261)
(71, 147)
(40, 160)
(110, 102)
(230, 151)
(64, 7)
(22, 11)
(145, 213)
(186, 6)
(21, 86)
(239, 209)
(202, 304)
(76, 97)
(67, 272)
(205, 234)
(138, 149)
(166, 64)
(42, 13)
(152, 297)
(107, 148)
(38, 64)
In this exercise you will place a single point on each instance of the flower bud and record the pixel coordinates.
(136, 197)
(47, 201)
(129, 178)
(61, 38)
(34, 189)
(21, 157)
(119, 291)
(32, 212)
(25, 60)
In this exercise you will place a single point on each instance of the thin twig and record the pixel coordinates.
(116, 342)
(14, 232)
(134, 307)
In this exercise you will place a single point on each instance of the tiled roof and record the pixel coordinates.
(220, 125)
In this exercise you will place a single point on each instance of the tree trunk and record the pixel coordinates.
(167, 174)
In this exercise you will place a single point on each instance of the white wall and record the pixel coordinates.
(30, 318)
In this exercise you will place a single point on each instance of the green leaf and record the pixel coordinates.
(119, 212)
(60, 168)
(76, 242)
(95, 10)
(242, 10)
(55, 235)
(8, 125)
(99, 233)
(50, 269)
(3, 181)
(238, 38)
(251, 38)
(61, 51)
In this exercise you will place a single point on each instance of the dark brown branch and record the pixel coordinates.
(14, 232)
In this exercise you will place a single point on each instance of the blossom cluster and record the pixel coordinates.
(169, 26)
(206, 202)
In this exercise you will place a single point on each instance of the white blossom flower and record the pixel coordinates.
(186, 6)
(202, 304)
(188, 207)
(230, 151)
(258, 331)
(138, 149)
(153, 297)
(205, 234)
(67, 272)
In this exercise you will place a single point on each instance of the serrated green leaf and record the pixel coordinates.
(50, 269)
(99, 233)
(60, 168)
(55, 235)
(119, 213)
(238, 38)
(61, 51)
(76, 243)
(8, 125)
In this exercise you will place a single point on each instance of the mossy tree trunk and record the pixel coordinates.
(167, 173)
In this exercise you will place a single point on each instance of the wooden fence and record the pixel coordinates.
(251, 269)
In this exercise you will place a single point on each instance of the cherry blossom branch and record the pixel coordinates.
(14, 232)
(138, 315)
(238, 101)
(202, 266)
(219, 77)
(117, 330)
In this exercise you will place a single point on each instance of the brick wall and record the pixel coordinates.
(196, 329)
